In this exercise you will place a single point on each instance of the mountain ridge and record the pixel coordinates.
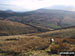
(43, 17)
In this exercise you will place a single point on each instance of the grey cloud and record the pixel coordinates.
(6, 5)
(62, 7)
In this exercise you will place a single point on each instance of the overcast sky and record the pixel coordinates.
(24, 5)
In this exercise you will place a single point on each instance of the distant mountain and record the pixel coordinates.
(43, 17)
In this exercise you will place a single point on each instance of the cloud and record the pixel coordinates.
(40, 0)
(33, 4)
(6, 5)
(12, 7)
(62, 7)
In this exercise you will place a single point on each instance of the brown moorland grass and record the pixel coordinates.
(61, 33)
(62, 44)
(24, 44)
(64, 40)
(16, 28)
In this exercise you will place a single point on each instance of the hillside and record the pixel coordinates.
(24, 45)
(60, 33)
(42, 17)
(13, 28)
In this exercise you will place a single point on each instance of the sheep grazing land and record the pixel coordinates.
(26, 45)
(40, 32)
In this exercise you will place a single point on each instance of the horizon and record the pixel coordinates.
(30, 5)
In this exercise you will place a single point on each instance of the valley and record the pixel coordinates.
(30, 33)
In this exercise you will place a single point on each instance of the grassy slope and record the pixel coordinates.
(27, 45)
(22, 45)
(13, 28)
(66, 32)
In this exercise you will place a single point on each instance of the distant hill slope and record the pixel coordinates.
(42, 17)
(61, 33)
(12, 28)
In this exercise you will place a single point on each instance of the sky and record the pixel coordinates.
(27, 5)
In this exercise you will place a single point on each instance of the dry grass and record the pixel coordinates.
(64, 40)
(24, 44)
(62, 44)
(61, 33)
(60, 47)
(15, 28)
